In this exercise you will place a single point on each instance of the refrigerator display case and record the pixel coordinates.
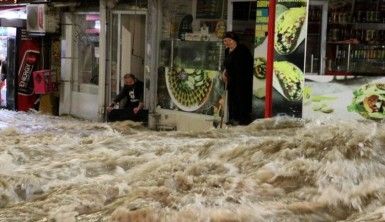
(356, 38)
(188, 76)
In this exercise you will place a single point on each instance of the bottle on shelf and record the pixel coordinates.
(367, 54)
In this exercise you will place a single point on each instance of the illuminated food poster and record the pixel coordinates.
(188, 78)
(344, 98)
(188, 87)
(289, 51)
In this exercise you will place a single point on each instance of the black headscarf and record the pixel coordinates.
(232, 35)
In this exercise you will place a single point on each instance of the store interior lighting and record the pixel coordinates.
(13, 14)
(7, 31)
(97, 24)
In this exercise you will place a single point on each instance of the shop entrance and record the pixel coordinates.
(127, 44)
(7, 66)
(83, 66)
(241, 19)
(316, 37)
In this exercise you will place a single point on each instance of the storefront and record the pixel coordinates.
(12, 20)
(352, 38)
(94, 59)
(28, 41)
(139, 37)
(345, 64)
(175, 47)
(80, 62)
(160, 42)
(7, 42)
(343, 42)
(190, 62)
(190, 93)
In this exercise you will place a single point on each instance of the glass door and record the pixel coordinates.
(127, 41)
(8, 49)
(84, 64)
(11, 71)
(86, 71)
(316, 38)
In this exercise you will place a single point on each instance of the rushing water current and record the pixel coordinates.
(281, 169)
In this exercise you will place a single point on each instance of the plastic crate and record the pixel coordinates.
(43, 82)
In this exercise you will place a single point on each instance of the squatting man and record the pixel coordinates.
(132, 92)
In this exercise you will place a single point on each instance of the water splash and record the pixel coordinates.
(279, 169)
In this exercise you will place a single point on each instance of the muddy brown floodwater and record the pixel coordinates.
(281, 169)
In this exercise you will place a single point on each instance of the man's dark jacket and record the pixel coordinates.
(134, 94)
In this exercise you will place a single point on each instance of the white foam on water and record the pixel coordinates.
(280, 169)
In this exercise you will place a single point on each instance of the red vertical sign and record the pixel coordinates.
(270, 60)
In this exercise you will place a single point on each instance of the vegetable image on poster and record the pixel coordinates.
(290, 30)
(289, 52)
(260, 63)
(288, 80)
(260, 67)
(344, 97)
(369, 101)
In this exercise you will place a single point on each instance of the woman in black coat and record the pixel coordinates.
(238, 76)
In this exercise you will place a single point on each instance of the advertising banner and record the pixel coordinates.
(344, 98)
(289, 51)
(188, 77)
(29, 54)
(27, 65)
(260, 52)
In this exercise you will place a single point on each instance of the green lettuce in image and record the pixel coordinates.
(369, 101)
(290, 78)
(288, 29)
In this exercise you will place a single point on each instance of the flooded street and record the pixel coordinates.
(63, 169)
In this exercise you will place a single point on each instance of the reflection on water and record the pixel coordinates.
(62, 169)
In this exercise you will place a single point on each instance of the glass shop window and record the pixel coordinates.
(86, 38)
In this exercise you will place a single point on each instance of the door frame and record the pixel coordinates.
(119, 14)
(324, 19)
(78, 99)
(229, 27)
(230, 3)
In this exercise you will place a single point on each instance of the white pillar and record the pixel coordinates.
(152, 47)
(66, 73)
(151, 68)
(102, 60)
